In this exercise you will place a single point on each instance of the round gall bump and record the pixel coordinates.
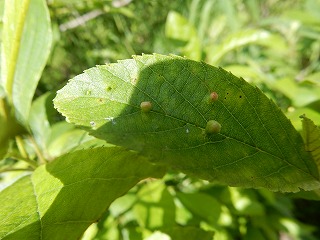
(146, 106)
(214, 96)
(213, 127)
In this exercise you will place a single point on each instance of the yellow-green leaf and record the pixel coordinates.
(24, 51)
(62, 199)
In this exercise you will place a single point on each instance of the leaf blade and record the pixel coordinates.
(256, 147)
(311, 136)
(25, 50)
(65, 196)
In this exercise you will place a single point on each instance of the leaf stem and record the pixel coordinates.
(32, 164)
(21, 148)
(42, 160)
(9, 169)
(24, 153)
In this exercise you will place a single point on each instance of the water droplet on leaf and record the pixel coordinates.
(113, 122)
(109, 118)
(92, 123)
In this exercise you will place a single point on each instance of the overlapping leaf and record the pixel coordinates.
(61, 199)
(311, 135)
(256, 147)
(24, 51)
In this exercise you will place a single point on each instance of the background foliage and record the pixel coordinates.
(273, 44)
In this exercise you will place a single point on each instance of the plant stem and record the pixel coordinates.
(42, 160)
(32, 164)
(21, 148)
(9, 169)
(24, 153)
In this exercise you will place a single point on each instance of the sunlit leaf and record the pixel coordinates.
(256, 147)
(155, 207)
(209, 209)
(239, 39)
(24, 51)
(178, 28)
(39, 120)
(65, 197)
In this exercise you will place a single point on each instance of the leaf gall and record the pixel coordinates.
(146, 106)
(213, 127)
(214, 96)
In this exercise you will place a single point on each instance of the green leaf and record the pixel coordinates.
(39, 120)
(4, 141)
(245, 202)
(178, 28)
(236, 40)
(254, 233)
(301, 94)
(65, 196)
(58, 138)
(209, 209)
(65, 138)
(24, 51)
(311, 136)
(190, 233)
(256, 147)
(155, 207)
(297, 112)
(9, 127)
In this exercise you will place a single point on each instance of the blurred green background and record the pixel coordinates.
(274, 44)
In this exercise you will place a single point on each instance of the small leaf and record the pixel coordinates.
(178, 28)
(235, 40)
(256, 147)
(311, 136)
(65, 196)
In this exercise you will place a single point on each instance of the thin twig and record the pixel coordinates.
(80, 20)
(21, 148)
(9, 169)
(42, 160)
